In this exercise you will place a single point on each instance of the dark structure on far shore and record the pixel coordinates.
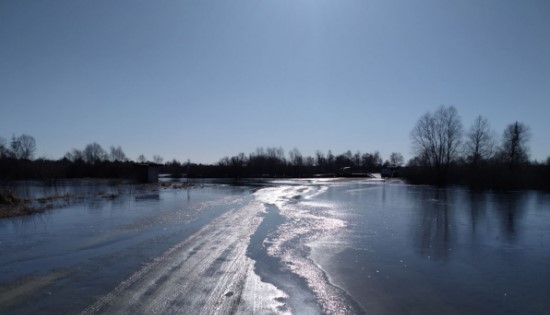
(147, 172)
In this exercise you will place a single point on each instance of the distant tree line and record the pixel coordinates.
(17, 162)
(445, 154)
(272, 162)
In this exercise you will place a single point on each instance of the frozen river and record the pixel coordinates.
(278, 247)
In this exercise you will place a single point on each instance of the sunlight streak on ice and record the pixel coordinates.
(306, 221)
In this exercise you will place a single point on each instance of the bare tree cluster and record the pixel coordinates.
(157, 159)
(94, 153)
(116, 154)
(22, 147)
(437, 138)
(437, 141)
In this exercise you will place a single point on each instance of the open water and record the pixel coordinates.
(278, 247)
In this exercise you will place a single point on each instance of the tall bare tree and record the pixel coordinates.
(117, 155)
(357, 158)
(436, 140)
(371, 161)
(93, 153)
(331, 159)
(142, 159)
(157, 159)
(320, 159)
(480, 141)
(296, 157)
(397, 159)
(514, 150)
(4, 151)
(23, 147)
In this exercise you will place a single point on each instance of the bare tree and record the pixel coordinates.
(331, 159)
(15, 147)
(275, 154)
(93, 153)
(296, 157)
(397, 159)
(480, 141)
(4, 151)
(514, 150)
(74, 155)
(357, 159)
(117, 155)
(310, 161)
(224, 161)
(436, 140)
(142, 159)
(296, 160)
(320, 159)
(344, 160)
(23, 147)
(28, 146)
(238, 161)
(157, 159)
(371, 161)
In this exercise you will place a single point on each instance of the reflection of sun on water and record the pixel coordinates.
(306, 221)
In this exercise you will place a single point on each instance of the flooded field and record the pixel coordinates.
(421, 250)
(277, 247)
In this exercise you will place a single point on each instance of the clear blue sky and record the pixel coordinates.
(205, 79)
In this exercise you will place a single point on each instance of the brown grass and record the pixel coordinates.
(8, 197)
(13, 206)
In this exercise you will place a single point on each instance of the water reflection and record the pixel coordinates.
(510, 207)
(461, 251)
(154, 196)
(477, 209)
(446, 215)
(25, 224)
(384, 193)
(434, 235)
